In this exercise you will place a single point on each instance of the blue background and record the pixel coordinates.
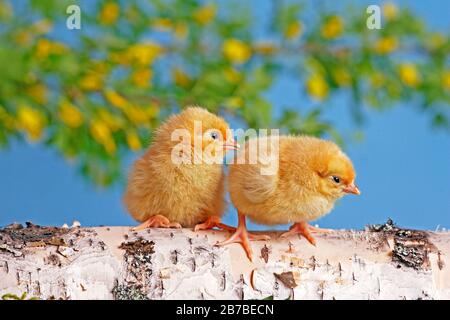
(403, 166)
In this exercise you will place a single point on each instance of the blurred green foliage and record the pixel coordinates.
(95, 94)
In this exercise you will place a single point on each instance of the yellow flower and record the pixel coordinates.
(293, 30)
(120, 57)
(70, 115)
(133, 140)
(32, 121)
(116, 99)
(141, 77)
(317, 87)
(205, 14)
(232, 75)
(137, 115)
(342, 77)
(45, 47)
(113, 122)
(91, 82)
(38, 93)
(181, 30)
(409, 74)
(180, 78)
(109, 13)
(446, 80)
(386, 45)
(236, 51)
(102, 134)
(162, 24)
(265, 48)
(234, 102)
(144, 53)
(390, 10)
(333, 27)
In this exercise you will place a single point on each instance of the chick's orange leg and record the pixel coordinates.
(242, 236)
(157, 221)
(213, 222)
(302, 228)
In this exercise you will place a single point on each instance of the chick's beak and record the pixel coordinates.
(231, 145)
(352, 188)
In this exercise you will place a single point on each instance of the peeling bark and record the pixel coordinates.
(382, 262)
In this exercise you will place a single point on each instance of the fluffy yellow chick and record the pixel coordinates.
(179, 181)
(298, 179)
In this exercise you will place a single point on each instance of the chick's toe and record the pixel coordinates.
(301, 228)
(157, 221)
(211, 223)
(242, 236)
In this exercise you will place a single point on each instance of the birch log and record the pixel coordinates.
(384, 262)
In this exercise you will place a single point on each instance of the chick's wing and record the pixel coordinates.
(258, 187)
(257, 177)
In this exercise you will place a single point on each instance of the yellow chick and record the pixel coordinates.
(296, 180)
(179, 181)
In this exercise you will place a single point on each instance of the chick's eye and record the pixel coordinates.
(214, 135)
(336, 179)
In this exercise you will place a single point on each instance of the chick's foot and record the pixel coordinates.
(305, 230)
(157, 221)
(242, 236)
(213, 222)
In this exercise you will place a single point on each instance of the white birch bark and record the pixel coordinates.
(114, 262)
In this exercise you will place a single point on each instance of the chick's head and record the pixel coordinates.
(208, 131)
(336, 174)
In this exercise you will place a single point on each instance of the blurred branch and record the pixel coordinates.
(99, 93)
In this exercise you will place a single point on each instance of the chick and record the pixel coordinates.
(307, 175)
(176, 182)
